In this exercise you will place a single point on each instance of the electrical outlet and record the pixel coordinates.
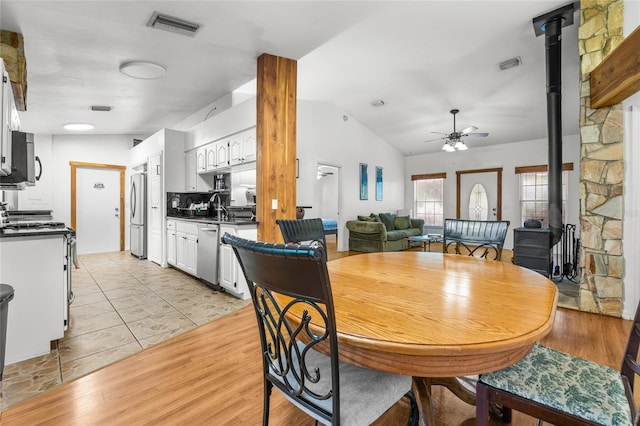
(274, 204)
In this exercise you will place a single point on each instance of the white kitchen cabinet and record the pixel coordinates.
(222, 154)
(201, 159)
(231, 276)
(211, 150)
(242, 147)
(190, 173)
(194, 181)
(34, 267)
(171, 242)
(186, 246)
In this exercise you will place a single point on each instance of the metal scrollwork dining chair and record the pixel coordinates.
(292, 299)
(303, 231)
(562, 389)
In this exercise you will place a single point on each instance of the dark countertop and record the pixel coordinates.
(8, 233)
(211, 220)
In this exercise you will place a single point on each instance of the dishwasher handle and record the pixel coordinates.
(208, 229)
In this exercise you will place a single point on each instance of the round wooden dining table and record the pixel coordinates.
(437, 316)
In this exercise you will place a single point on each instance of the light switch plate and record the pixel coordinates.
(274, 204)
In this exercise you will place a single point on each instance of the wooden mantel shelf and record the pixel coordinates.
(618, 76)
(12, 52)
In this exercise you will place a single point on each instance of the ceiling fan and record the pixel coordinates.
(453, 141)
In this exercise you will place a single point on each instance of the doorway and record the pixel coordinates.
(97, 207)
(491, 184)
(328, 196)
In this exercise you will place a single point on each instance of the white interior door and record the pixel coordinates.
(97, 210)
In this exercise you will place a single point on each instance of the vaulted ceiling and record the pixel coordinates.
(422, 58)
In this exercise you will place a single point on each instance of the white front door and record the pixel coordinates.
(97, 210)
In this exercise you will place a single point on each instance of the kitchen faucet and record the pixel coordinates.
(219, 206)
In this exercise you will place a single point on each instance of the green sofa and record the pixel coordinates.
(382, 232)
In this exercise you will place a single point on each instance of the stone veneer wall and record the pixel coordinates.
(601, 167)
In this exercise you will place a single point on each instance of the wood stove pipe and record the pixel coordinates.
(550, 24)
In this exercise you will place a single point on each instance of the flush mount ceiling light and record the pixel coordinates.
(78, 126)
(172, 24)
(510, 63)
(142, 70)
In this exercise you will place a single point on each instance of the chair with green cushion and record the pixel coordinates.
(289, 281)
(563, 389)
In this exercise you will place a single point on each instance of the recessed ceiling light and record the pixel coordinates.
(142, 70)
(78, 126)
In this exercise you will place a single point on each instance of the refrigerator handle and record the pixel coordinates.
(133, 199)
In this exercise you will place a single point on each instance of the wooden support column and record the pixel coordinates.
(276, 144)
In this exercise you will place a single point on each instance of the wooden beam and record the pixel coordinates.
(618, 76)
(276, 144)
(12, 53)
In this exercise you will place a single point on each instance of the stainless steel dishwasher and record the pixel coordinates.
(208, 241)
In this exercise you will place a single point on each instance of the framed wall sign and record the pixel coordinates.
(364, 182)
(378, 183)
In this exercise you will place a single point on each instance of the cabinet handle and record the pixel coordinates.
(39, 163)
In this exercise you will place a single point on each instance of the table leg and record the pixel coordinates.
(421, 388)
(457, 388)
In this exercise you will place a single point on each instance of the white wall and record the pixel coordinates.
(104, 149)
(508, 156)
(324, 136)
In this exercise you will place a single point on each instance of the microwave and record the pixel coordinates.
(23, 163)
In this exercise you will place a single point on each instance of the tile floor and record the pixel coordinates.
(122, 305)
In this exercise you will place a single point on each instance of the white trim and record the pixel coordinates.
(631, 224)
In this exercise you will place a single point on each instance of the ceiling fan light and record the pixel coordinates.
(447, 147)
(460, 146)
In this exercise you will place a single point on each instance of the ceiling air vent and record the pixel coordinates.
(509, 63)
(101, 108)
(173, 24)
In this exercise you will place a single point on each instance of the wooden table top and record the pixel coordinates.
(437, 315)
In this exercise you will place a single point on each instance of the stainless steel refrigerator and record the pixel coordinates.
(138, 217)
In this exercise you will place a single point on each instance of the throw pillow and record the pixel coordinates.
(387, 219)
(402, 222)
(365, 218)
(375, 217)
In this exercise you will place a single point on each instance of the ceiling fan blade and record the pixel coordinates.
(477, 135)
(469, 129)
(439, 133)
(435, 139)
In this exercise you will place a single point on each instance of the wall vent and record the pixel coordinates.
(173, 24)
(509, 63)
(101, 108)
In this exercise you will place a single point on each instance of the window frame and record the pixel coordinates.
(433, 216)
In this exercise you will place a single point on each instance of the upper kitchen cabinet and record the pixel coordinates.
(242, 147)
(194, 180)
(201, 159)
(211, 162)
(222, 154)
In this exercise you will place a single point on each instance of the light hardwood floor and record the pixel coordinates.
(212, 375)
